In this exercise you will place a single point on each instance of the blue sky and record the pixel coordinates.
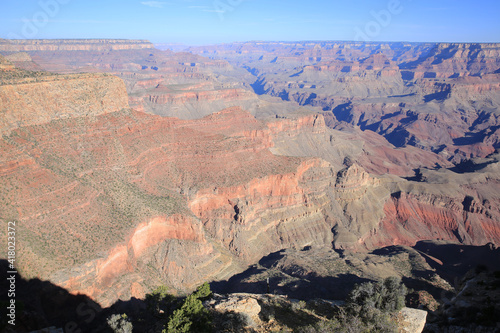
(219, 21)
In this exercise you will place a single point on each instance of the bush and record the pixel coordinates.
(120, 323)
(387, 296)
(159, 299)
(192, 315)
(353, 323)
(374, 302)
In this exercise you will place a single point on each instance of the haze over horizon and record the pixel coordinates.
(222, 21)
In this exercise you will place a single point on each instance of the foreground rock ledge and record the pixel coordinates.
(411, 320)
(250, 305)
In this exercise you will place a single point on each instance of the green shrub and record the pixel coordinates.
(120, 323)
(387, 296)
(345, 322)
(374, 302)
(192, 316)
(159, 299)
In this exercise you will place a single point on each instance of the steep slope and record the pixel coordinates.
(165, 83)
(113, 189)
(118, 204)
(441, 98)
(112, 202)
(20, 45)
(27, 101)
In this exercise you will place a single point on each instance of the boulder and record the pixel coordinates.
(411, 320)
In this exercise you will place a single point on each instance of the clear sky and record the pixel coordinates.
(218, 21)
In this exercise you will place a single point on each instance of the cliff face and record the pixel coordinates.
(447, 60)
(136, 200)
(19, 45)
(309, 51)
(181, 85)
(116, 191)
(27, 101)
(171, 250)
(436, 97)
(264, 215)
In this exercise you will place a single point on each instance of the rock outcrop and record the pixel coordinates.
(442, 97)
(27, 101)
(264, 312)
(20, 45)
(246, 305)
(412, 320)
(136, 199)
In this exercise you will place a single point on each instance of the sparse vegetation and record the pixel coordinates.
(120, 323)
(386, 296)
(192, 316)
(370, 307)
(20, 76)
(475, 307)
(159, 301)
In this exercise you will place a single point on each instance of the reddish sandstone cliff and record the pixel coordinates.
(26, 101)
(136, 200)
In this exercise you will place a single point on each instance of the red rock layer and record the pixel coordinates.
(411, 218)
(137, 200)
(25, 102)
(114, 190)
(121, 273)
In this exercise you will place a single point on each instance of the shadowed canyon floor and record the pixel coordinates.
(126, 167)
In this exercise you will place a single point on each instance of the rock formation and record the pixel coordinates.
(412, 320)
(27, 101)
(20, 45)
(437, 97)
(138, 198)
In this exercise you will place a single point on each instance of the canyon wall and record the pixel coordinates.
(27, 101)
(20, 45)
(439, 97)
(136, 200)
(112, 202)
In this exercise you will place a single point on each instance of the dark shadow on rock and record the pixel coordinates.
(271, 258)
(293, 282)
(417, 177)
(456, 259)
(468, 166)
(399, 137)
(419, 279)
(310, 99)
(439, 96)
(343, 112)
(259, 86)
(475, 137)
(41, 304)
(297, 74)
(407, 75)
(237, 283)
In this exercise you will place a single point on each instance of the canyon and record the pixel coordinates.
(437, 97)
(126, 167)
